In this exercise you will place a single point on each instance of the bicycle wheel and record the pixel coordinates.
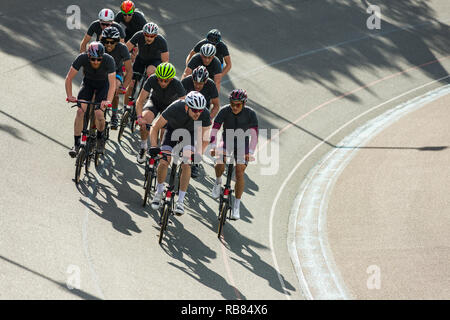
(133, 119)
(123, 124)
(222, 217)
(89, 147)
(96, 159)
(79, 164)
(148, 186)
(164, 220)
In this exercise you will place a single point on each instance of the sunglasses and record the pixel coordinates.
(96, 59)
(109, 42)
(105, 24)
(196, 110)
(236, 104)
(127, 14)
(150, 35)
(163, 80)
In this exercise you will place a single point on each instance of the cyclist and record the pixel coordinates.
(233, 117)
(206, 57)
(165, 89)
(152, 51)
(132, 19)
(181, 114)
(214, 37)
(105, 19)
(119, 51)
(199, 81)
(100, 79)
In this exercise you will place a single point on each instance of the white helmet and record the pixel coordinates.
(195, 100)
(208, 50)
(150, 28)
(106, 15)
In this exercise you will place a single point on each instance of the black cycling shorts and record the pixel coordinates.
(89, 87)
(141, 65)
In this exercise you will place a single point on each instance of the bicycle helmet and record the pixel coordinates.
(111, 33)
(150, 28)
(127, 7)
(165, 70)
(238, 95)
(195, 100)
(208, 50)
(95, 50)
(200, 74)
(213, 36)
(106, 15)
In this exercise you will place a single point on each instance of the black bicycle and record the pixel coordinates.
(88, 142)
(173, 188)
(129, 116)
(150, 175)
(225, 200)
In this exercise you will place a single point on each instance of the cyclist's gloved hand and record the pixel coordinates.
(154, 151)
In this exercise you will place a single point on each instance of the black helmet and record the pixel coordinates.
(213, 36)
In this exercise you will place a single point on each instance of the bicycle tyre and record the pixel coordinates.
(133, 119)
(123, 124)
(96, 159)
(148, 186)
(222, 217)
(79, 164)
(164, 220)
(88, 156)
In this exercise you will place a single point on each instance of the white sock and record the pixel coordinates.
(160, 187)
(144, 144)
(237, 203)
(181, 195)
(219, 180)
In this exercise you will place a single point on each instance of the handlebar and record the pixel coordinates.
(78, 102)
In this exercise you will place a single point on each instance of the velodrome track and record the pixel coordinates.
(314, 73)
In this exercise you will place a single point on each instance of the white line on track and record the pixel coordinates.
(303, 54)
(322, 275)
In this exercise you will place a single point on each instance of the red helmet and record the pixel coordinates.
(238, 95)
(127, 7)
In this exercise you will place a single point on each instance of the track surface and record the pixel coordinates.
(309, 67)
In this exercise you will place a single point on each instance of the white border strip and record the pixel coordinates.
(318, 275)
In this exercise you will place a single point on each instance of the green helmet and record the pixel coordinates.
(165, 70)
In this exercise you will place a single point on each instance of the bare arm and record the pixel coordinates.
(215, 108)
(129, 71)
(186, 72)
(165, 56)
(227, 67)
(129, 45)
(161, 122)
(143, 96)
(205, 138)
(68, 83)
(112, 86)
(217, 79)
(84, 42)
(189, 56)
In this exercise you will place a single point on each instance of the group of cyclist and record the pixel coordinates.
(191, 104)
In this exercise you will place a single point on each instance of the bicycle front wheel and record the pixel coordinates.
(79, 164)
(222, 217)
(148, 185)
(164, 221)
(123, 124)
